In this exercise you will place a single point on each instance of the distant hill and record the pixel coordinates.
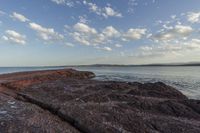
(118, 65)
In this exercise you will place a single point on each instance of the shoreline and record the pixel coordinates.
(67, 100)
(43, 68)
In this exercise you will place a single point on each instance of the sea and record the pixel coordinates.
(184, 78)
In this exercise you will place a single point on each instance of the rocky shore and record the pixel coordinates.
(70, 101)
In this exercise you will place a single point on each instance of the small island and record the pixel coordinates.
(70, 101)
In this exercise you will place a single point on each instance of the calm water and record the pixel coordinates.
(4, 70)
(185, 79)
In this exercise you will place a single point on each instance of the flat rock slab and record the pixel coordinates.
(76, 103)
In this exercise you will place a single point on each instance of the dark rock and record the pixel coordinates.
(69, 101)
(159, 90)
(20, 117)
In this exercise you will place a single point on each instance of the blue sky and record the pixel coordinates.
(72, 32)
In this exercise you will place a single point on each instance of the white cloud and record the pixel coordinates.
(59, 1)
(93, 7)
(20, 17)
(173, 16)
(118, 45)
(69, 3)
(86, 35)
(194, 44)
(105, 48)
(69, 44)
(83, 19)
(2, 13)
(81, 39)
(131, 5)
(110, 12)
(170, 33)
(193, 17)
(47, 34)
(15, 37)
(183, 30)
(5, 38)
(83, 28)
(110, 31)
(134, 34)
(105, 11)
(100, 39)
(169, 49)
(153, 1)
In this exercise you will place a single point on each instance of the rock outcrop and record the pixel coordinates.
(68, 101)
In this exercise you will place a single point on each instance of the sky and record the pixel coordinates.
(81, 32)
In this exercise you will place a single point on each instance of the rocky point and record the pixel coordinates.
(70, 101)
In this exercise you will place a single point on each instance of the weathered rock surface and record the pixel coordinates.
(69, 101)
(22, 117)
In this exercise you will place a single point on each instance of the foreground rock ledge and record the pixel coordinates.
(69, 101)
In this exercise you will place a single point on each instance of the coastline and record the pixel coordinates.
(67, 100)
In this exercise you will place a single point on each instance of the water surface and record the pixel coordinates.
(184, 78)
